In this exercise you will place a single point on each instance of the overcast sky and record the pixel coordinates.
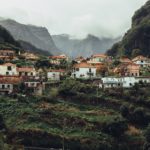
(103, 18)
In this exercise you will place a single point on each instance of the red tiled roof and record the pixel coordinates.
(10, 80)
(84, 65)
(99, 55)
(25, 69)
(58, 57)
(8, 64)
(140, 57)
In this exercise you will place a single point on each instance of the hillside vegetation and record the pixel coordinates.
(7, 41)
(102, 120)
(137, 40)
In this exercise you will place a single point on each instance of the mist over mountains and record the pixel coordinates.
(39, 40)
(39, 37)
(83, 47)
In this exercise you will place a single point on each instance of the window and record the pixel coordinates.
(90, 70)
(26, 73)
(7, 73)
(31, 73)
(8, 86)
(3, 86)
(20, 73)
(9, 68)
(130, 84)
(77, 69)
(136, 74)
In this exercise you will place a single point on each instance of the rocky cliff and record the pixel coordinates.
(137, 40)
(7, 41)
(37, 36)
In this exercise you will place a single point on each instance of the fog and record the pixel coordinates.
(103, 18)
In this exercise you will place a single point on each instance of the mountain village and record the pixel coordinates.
(20, 70)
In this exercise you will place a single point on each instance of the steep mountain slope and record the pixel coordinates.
(82, 47)
(7, 41)
(137, 40)
(37, 36)
(32, 48)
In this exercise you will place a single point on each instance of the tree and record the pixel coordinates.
(124, 111)
(2, 124)
(139, 116)
(136, 52)
(43, 64)
(147, 137)
(116, 128)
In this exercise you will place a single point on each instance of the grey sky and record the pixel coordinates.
(75, 17)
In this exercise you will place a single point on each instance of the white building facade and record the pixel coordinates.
(84, 70)
(125, 82)
(8, 69)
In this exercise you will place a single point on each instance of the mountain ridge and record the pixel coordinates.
(82, 47)
(39, 37)
(137, 39)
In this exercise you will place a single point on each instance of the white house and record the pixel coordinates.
(111, 82)
(7, 83)
(142, 61)
(8, 69)
(55, 74)
(84, 70)
(97, 58)
(27, 71)
(125, 82)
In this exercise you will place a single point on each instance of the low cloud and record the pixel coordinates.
(103, 18)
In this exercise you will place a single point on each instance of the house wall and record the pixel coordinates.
(128, 82)
(32, 84)
(125, 82)
(142, 63)
(83, 73)
(24, 73)
(6, 87)
(5, 71)
(133, 70)
(53, 75)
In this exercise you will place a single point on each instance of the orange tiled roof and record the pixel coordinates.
(84, 65)
(25, 69)
(99, 55)
(58, 57)
(98, 65)
(10, 80)
(8, 64)
(140, 57)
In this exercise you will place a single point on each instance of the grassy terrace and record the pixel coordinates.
(59, 118)
(93, 124)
